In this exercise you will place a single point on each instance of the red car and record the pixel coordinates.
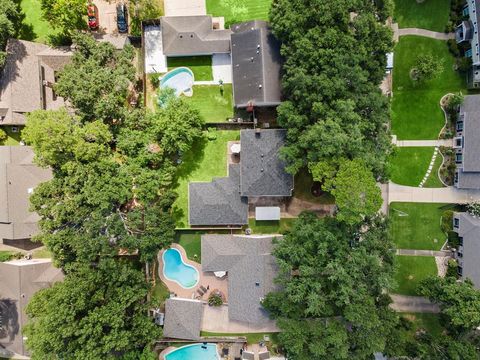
(92, 13)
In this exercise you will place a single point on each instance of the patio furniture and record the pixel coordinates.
(235, 148)
(220, 274)
(204, 289)
(200, 292)
(264, 355)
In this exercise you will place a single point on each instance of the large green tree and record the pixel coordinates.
(331, 301)
(334, 61)
(10, 19)
(98, 312)
(65, 15)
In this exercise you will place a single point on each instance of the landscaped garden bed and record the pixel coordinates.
(416, 111)
(418, 225)
(411, 270)
(447, 170)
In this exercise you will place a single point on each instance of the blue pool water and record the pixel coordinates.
(175, 269)
(194, 352)
(180, 79)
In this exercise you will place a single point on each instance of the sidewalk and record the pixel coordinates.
(451, 195)
(423, 143)
(426, 33)
(410, 252)
(418, 304)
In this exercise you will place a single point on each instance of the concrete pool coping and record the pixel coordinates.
(171, 349)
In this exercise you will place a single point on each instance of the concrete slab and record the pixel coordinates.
(185, 7)
(222, 68)
(155, 61)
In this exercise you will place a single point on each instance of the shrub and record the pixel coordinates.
(452, 268)
(473, 209)
(155, 80)
(211, 134)
(3, 135)
(215, 299)
(426, 67)
(453, 47)
(464, 64)
(453, 240)
(447, 219)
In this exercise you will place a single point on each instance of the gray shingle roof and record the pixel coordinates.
(251, 271)
(183, 319)
(256, 65)
(262, 171)
(218, 202)
(19, 280)
(18, 177)
(469, 229)
(471, 133)
(192, 35)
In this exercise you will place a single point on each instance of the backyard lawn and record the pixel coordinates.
(34, 27)
(13, 137)
(424, 321)
(201, 66)
(417, 225)
(191, 242)
(303, 189)
(270, 227)
(430, 15)
(206, 160)
(241, 10)
(411, 270)
(252, 338)
(212, 104)
(409, 165)
(416, 113)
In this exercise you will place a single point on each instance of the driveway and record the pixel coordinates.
(452, 195)
(184, 7)
(215, 319)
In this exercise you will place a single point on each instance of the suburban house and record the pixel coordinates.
(467, 144)
(260, 173)
(251, 269)
(18, 178)
(468, 229)
(256, 65)
(27, 79)
(19, 281)
(183, 318)
(466, 34)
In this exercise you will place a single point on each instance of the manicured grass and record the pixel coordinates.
(425, 321)
(191, 242)
(13, 138)
(430, 15)
(270, 227)
(417, 225)
(249, 10)
(416, 112)
(409, 165)
(252, 338)
(206, 160)
(6, 255)
(41, 253)
(214, 106)
(160, 291)
(411, 270)
(34, 27)
(433, 180)
(303, 186)
(201, 66)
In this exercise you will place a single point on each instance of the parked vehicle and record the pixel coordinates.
(92, 13)
(122, 23)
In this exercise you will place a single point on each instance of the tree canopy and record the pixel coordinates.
(10, 18)
(65, 15)
(332, 280)
(334, 62)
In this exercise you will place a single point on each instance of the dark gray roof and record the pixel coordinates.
(262, 171)
(471, 110)
(183, 319)
(18, 177)
(469, 230)
(468, 180)
(19, 280)
(256, 65)
(218, 202)
(192, 35)
(251, 271)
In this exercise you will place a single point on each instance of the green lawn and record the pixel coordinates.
(303, 186)
(34, 27)
(13, 138)
(41, 253)
(214, 106)
(411, 270)
(191, 242)
(416, 113)
(425, 321)
(410, 164)
(430, 14)
(417, 225)
(201, 66)
(6, 255)
(206, 160)
(245, 10)
(271, 227)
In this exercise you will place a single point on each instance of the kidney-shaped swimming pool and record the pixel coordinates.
(175, 269)
(194, 352)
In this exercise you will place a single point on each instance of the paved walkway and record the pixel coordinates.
(185, 7)
(452, 195)
(404, 303)
(215, 319)
(423, 143)
(426, 33)
(410, 252)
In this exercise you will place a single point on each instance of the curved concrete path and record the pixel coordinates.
(452, 195)
(426, 33)
(417, 304)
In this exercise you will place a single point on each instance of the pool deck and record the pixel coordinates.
(205, 279)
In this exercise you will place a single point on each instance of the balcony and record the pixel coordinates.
(464, 32)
